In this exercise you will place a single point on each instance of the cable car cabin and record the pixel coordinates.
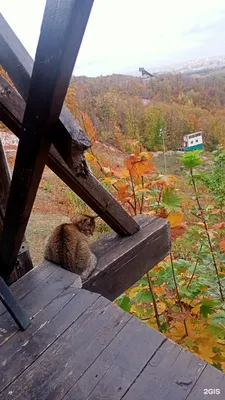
(193, 142)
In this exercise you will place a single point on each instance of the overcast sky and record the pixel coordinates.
(122, 35)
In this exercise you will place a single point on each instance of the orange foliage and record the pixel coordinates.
(87, 125)
(222, 245)
(140, 164)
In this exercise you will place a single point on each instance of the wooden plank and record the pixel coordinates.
(69, 138)
(80, 179)
(30, 281)
(128, 259)
(119, 364)
(24, 263)
(211, 384)
(174, 372)
(22, 350)
(62, 29)
(61, 365)
(38, 299)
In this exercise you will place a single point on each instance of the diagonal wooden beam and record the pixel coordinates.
(62, 29)
(80, 180)
(69, 139)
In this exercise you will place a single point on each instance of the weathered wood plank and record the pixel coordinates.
(80, 179)
(61, 365)
(211, 379)
(62, 30)
(174, 372)
(119, 364)
(24, 263)
(22, 350)
(30, 281)
(128, 259)
(38, 299)
(69, 138)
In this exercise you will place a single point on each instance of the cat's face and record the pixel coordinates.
(85, 223)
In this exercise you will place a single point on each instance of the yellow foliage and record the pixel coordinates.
(109, 180)
(161, 307)
(90, 157)
(159, 290)
(176, 219)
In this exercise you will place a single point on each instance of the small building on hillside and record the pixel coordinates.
(193, 141)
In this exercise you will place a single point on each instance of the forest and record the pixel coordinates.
(122, 107)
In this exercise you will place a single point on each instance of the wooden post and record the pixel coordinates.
(62, 30)
(24, 263)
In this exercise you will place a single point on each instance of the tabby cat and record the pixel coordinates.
(68, 246)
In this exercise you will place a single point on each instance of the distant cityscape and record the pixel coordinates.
(209, 63)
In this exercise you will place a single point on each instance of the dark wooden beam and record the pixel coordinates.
(69, 138)
(24, 263)
(80, 179)
(123, 261)
(62, 29)
(13, 307)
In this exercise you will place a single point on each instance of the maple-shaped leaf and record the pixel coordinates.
(177, 231)
(144, 296)
(176, 219)
(159, 290)
(143, 281)
(207, 307)
(170, 199)
(206, 352)
(123, 302)
(191, 159)
(122, 193)
(138, 165)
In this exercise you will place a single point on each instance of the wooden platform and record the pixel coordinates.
(80, 346)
